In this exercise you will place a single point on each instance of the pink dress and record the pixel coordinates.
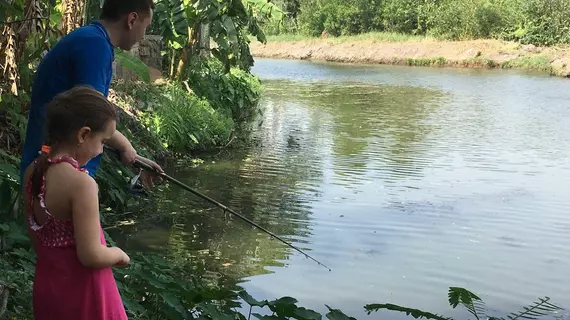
(63, 287)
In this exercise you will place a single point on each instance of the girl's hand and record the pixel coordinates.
(124, 259)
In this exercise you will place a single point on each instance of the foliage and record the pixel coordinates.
(474, 305)
(234, 93)
(131, 62)
(542, 22)
(539, 22)
(286, 308)
(339, 17)
(400, 16)
(17, 265)
(158, 119)
(415, 313)
(537, 63)
(153, 288)
(188, 27)
(468, 299)
(176, 116)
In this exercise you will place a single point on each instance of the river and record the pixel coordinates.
(404, 181)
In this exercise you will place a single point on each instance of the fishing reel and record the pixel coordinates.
(136, 187)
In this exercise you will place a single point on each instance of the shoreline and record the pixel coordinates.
(489, 54)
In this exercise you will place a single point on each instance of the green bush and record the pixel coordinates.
(400, 16)
(462, 20)
(180, 120)
(539, 22)
(338, 17)
(542, 22)
(235, 94)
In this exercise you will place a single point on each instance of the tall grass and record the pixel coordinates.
(539, 22)
(374, 36)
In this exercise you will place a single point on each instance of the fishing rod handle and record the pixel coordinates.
(137, 163)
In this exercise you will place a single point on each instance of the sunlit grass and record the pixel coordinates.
(537, 63)
(370, 36)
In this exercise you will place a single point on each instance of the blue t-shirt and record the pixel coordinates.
(83, 57)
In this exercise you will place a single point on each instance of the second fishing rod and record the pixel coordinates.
(148, 167)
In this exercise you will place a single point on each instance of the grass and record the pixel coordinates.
(424, 62)
(370, 36)
(537, 63)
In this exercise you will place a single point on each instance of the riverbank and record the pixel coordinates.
(418, 51)
(163, 121)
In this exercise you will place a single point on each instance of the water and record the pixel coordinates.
(405, 181)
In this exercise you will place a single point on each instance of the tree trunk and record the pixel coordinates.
(73, 13)
(188, 50)
(10, 75)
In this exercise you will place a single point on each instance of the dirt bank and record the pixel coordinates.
(473, 54)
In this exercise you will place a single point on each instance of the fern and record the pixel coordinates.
(537, 309)
(417, 314)
(468, 299)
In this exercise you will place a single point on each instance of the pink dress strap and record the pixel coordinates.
(53, 232)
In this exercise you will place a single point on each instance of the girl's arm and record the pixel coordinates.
(85, 214)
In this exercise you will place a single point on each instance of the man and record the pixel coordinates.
(85, 57)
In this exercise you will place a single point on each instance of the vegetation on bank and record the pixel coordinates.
(202, 105)
(204, 102)
(374, 36)
(508, 34)
(538, 22)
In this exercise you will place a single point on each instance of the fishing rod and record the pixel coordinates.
(147, 167)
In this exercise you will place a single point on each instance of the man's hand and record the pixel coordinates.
(129, 155)
(148, 178)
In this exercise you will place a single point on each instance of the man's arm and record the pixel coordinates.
(121, 143)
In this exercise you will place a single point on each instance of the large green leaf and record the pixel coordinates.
(468, 299)
(5, 196)
(173, 302)
(266, 8)
(214, 313)
(129, 61)
(306, 314)
(336, 314)
(7, 169)
(283, 307)
(230, 28)
(178, 18)
(250, 300)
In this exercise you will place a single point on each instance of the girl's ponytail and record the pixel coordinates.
(38, 174)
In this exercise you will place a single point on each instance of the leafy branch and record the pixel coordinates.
(468, 299)
(415, 313)
(537, 309)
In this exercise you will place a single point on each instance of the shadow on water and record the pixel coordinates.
(403, 181)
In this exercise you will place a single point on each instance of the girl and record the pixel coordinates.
(73, 277)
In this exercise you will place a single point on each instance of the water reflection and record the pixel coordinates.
(405, 181)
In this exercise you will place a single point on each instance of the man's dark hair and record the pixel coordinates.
(113, 10)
